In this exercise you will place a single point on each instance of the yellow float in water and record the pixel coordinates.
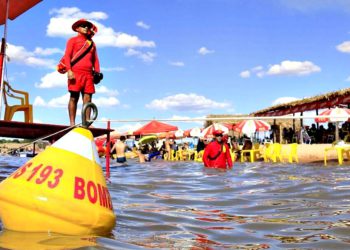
(61, 190)
(35, 241)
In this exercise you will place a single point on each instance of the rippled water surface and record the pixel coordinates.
(181, 205)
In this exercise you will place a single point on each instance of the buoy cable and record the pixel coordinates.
(42, 138)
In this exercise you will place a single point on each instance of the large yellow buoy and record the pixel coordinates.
(61, 190)
(35, 241)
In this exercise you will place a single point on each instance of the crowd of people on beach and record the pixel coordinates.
(316, 134)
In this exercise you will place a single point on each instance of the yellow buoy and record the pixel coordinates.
(34, 241)
(61, 190)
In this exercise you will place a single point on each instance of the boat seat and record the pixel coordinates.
(24, 104)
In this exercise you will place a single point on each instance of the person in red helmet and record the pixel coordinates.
(80, 76)
(217, 153)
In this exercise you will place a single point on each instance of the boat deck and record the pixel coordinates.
(33, 131)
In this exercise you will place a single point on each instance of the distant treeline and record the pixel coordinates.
(15, 141)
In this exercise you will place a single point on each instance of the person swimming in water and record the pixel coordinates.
(120, 148)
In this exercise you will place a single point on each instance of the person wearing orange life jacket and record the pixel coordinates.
(217, 153)
(80, 76)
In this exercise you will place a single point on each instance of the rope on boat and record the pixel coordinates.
(42, 138)
(84, 123)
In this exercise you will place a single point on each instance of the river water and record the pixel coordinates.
(181, 205)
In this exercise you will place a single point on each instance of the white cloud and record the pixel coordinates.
(293, 68)
(105, 101)
(344, 47)
(200, 120)
(52, 80)
(186, 102)
(287, 67)
(282, 100)
(144, 56)
(20, 55)
(47, 51)
(117, 69)
(245, 74)
(61, 22)
(104, 90)
(59, 102)
(128, 127)
(204, 51)
(177, 64)
(141, 24)
(39, 101)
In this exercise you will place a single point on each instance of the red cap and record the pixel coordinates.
(218, 132)
(92, 27)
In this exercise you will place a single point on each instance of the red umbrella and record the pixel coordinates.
(337, 115)
(208, 131)
(154, 127)
(249, 127)
(16, 8)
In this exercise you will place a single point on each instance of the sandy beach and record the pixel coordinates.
(308, 153)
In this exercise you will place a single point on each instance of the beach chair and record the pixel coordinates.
(24, 105)
(341, 150)
(251, 153)
(273, 153)
(292, 154)
(199, 156)
(267, 152)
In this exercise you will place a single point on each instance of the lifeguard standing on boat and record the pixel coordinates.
(217, 153)
(80, 76)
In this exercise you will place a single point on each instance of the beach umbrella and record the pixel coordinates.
(154, 127)
(208, 131)
(195, 132)
(249, 127)
(336, 115)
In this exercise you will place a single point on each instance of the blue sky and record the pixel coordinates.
(184, 58)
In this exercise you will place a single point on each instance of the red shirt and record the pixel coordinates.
(217, 155)
(75, 47)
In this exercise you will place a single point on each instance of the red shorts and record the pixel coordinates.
(83, 82)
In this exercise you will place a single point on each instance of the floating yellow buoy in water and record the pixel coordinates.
(34, 241)
(61, 190)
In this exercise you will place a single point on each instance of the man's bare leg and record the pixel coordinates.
(72, 108)
(87, 98)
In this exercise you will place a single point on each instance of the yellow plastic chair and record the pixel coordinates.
(292, 155)
(276, 152)
(199, 157)
(233, 155)
(251, 153)
(178, 155)
(267, 152)
(341, 150)
(10, 110)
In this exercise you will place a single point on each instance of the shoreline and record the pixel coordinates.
(307, 153)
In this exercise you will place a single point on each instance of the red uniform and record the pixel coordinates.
(217, 155)
(82, 70)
